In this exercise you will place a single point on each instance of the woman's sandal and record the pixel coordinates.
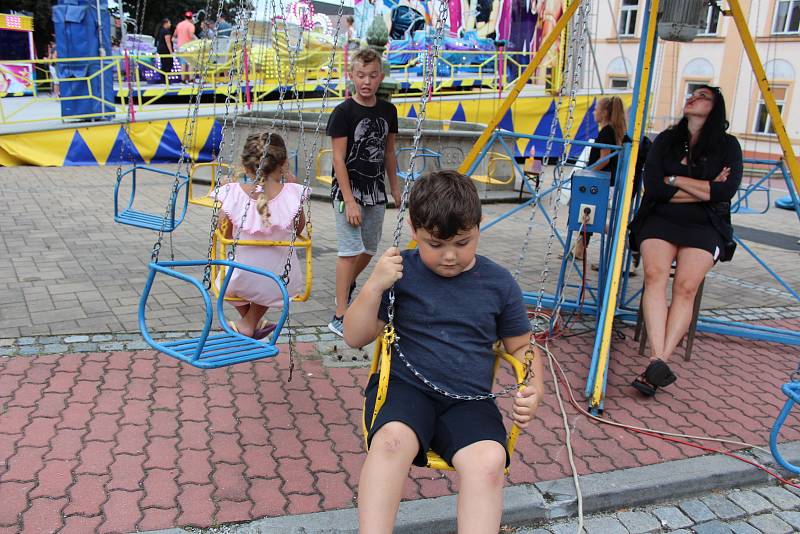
(657, 375)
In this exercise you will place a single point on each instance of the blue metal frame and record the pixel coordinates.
(792, 391)
(219, 350)
(151, 221)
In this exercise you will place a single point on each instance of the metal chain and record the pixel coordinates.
(233, 74)
(545, 161)
(310, 156)
(186, 139)
(458, 396)
(428, 83)
(530, 352)
(575, 70)
(443, 12)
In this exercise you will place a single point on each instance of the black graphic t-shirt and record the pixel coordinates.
(367, 130)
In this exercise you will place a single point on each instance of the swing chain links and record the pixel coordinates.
(424, 98)
(186, 140)
(240, 39)
(310, 157)
(795, 376)
(575, 66)
(390, 335)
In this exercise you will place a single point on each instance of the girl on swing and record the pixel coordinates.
(263, 209)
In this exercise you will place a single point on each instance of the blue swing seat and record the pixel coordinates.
(423, 155)
(792, 391)
(151, 221)
(218, 350)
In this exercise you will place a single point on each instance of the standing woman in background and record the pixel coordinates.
(692, 171)
(164, 46)
(610, 116)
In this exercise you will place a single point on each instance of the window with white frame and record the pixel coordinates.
(712, 20)
(627, 17)
(618, 82)
(618, 72)
(691, 87)
(787, 17)
(763, 123)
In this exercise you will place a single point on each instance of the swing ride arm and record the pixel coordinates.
(560, 26)
(763, 84)
(596, 383)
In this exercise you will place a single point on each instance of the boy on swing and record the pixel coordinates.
(451, 307)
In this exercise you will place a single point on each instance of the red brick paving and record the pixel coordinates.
(125, 441)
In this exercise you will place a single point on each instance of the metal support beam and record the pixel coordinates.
(766, 93)
(602, 347)
(519, 85)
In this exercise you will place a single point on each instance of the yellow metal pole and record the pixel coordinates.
(517, 89)
(766, 93)
(622, 230)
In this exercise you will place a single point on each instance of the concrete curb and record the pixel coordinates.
(556, 499)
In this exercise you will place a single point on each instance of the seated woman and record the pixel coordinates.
(692, 171)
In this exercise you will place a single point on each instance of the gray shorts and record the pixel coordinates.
(364, 239)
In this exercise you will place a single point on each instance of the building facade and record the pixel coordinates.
(715, 57)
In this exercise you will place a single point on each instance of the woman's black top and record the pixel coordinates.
(161, 43)
(606, 136)
(705, 225)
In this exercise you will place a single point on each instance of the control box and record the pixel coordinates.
(589, 201)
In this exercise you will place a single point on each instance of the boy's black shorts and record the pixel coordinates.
(440, 423)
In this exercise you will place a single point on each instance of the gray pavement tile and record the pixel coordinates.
(672, 517)
(722, 507)
(740, 527)
(697, 510)
(793, 518)
(639, 522)
(750, 501)
(604, 525)
(771, 523)
(783, 499)
(712, 527)
(569, 527)
(532, 531)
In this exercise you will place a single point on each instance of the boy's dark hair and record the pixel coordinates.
(444, 203)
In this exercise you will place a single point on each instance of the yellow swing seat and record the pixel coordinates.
(325, 178)
(207, 199)
(490, 178)
(220, 247)
(381, 360)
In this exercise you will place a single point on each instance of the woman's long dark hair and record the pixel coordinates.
(712, 135)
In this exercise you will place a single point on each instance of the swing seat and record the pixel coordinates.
(423, 155)
(381, 359)
(220, 247)
(490, 178)
(217, 171)
(218, 350)
(326, 178)
(792, 391)
(151, 221)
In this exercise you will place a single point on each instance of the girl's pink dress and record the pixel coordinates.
(282, 209)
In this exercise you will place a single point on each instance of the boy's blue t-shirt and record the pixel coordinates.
(447, 326)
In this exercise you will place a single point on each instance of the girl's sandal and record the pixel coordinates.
(264, 331)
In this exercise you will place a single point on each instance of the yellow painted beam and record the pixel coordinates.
(518, 86)
(766, 93)
(622, 229)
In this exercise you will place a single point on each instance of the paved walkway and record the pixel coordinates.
(762, 509)
(94, 438)
(71, 270)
